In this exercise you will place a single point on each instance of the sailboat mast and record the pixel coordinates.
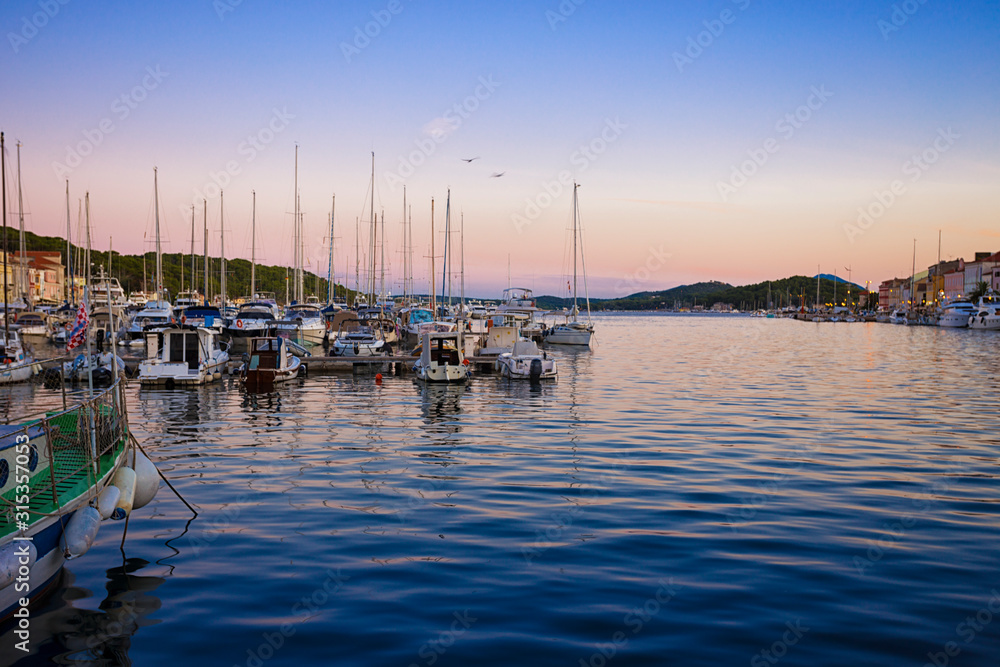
(22, 278)
(69, 252)
(87, 298)
(204, 246)
(253, 247)
(381, 287)
(193, 273)
(433, 299)
(576, 209)
(357, 259)
(6, 293)
(446, 259)
(222, 254)
(462, 238)
(159, 255)
(405, 256)
(913, 274)
(372, 234)
(371, 273)
(331, 275)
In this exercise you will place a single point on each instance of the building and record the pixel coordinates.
(46, 276)
(890, 293)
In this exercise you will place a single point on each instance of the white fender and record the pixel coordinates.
(80, 532)
(124, 479)
(107, 500)
(13, 557)
(147, 480)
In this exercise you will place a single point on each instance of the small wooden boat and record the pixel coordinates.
(269, 362)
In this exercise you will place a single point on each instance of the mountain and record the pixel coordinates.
(841, 281)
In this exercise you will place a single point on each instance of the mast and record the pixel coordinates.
(193, 274)
(159, 254)
(357, 259)
(409, 225)
(371, 220)
(253, 248)
(433, 295)
(913, 274)
(297, 251)
(87, 298)
(6, 294)
(462, 238)
(445, 263)
(69, 253)
(405, 259)
(583, 259)
(381, 287)
(576, 208)
(330, 274)
(22, 278)
(222, 254)
(204, 246)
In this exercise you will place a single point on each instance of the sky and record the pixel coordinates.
(732, 140)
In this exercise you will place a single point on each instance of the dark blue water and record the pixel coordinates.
(694, 491)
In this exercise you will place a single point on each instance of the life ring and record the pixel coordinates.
(69, 327)
(239, 324)
(184, 319)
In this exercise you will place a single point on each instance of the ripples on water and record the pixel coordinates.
(694, 491)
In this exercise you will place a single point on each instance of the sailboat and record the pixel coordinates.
(574, 332)
(16, 364)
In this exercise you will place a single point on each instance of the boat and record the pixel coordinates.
(16, 363)
(357, 338)
(67, 472)
(105, 284)
(184, 355)
(573, 331)
(101, 368)
(441, 358)
(253, 320)
(270, 361)
(156, 315)
(303, 322)
(186, 300)
(956, 314)
(987, 315)
(898, 316)
(415, 321)
(32, 326)
(518, 303)
(208, 317)
(526, 362)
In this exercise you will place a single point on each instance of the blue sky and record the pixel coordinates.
(603, 75)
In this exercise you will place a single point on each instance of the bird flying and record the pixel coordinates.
(468, 159)
(497, 174)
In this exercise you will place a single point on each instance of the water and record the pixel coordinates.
(694, 491)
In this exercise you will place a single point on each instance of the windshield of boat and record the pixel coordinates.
(421, 317)
(304, 313)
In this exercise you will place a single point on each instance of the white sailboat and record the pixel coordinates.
(16, 364)
(574, 332)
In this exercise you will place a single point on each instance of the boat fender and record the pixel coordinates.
(107, 501)
(80, 532)
(16, 558)
(125, 480)
(147, 480)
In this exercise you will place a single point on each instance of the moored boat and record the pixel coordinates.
(186, 356)
(526, 362)
(269, 362)
(441, 358)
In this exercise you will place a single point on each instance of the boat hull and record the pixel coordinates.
(568, 336)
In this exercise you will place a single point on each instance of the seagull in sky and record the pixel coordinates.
(497, 174)
(469, 159)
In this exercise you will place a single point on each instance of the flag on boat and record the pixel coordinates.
(78, 335)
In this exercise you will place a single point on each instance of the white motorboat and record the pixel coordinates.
(253, 320)
(417, 320)
(526, 362)
(518, 303)
(987, 315)
(898, 316)
(32, 326)
(185, 300)
(208, 317)
(269, 362)
(956, 314)
(303, 322)
(16, 363)
(441, 358)
(101, 368)
(356, 338)
(186, 356)
(155, 316)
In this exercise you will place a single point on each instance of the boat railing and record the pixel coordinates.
(80, 445)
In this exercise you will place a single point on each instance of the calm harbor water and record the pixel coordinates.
(693, 491)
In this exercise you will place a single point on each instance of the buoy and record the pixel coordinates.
(80, 533)
(13, 557)
(124, 479)
(107, 500)
(147, 480)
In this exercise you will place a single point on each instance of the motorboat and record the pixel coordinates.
(101, 368)
(526, 362)
(441, 358)
(303, 322)
(155, 316)
(16, 363)
(185, 300)
(519, 303)
(415, 321)
(956, 314)
(253, 320)
(186, 356)
(32, 326)
(389, 329)
(270, 361)
(357, 338)
(898, 316)
(205, 316)
(987, 315)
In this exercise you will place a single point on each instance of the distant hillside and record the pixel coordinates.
(793, 291)
(129, 270)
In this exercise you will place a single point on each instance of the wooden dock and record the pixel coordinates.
(398, 365)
